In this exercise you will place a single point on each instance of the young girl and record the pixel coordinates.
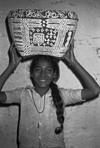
(42, 106)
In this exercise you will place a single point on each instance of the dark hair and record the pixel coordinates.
(58, 103)
(59, 106)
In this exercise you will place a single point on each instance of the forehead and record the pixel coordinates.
(43, 62)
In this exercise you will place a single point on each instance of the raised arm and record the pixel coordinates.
(14, 60)
(90, 87)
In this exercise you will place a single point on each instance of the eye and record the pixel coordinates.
(49, 70)
(37, 69)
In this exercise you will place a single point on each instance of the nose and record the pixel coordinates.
(43, 74)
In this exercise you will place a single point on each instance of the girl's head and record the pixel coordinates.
(44, 72)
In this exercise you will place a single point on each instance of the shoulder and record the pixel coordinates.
(13, 95)
(69, 91)
(14, 90)
(18, 91)
(71, 96)
(17, 94)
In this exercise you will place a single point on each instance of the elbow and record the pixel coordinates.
(96, 92)
(89, 94)
(3, 97)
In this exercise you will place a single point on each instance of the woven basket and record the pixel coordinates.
(47, 32)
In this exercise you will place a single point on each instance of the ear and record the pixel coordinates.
(55, 77)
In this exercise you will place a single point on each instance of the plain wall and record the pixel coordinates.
(82, 122)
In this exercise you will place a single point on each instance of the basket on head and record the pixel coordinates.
(47, 32)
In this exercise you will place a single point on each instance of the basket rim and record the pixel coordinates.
(42, 13)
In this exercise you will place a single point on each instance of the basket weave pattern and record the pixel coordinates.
(47, 32)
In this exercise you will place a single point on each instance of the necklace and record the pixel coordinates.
(36, 105)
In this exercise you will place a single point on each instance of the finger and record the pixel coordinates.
(11, 49)
(11, 46)
(14, 50)
(19, 59)
(72, 44)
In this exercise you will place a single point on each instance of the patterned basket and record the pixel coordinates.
(47, 32)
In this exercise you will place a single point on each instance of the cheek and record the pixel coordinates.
(34, 76)
(50, 77)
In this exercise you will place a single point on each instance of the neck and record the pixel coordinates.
(41, 91)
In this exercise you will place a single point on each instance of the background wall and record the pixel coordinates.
(82, 122)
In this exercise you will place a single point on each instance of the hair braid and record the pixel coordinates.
(59, 106)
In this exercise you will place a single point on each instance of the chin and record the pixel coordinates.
(43, 85)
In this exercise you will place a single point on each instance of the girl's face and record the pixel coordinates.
(43, 74)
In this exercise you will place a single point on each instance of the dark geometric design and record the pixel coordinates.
(42, 36)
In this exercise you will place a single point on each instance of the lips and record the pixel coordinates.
(42, 80)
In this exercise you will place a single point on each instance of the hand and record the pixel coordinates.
(69, 56)
(14, 58)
